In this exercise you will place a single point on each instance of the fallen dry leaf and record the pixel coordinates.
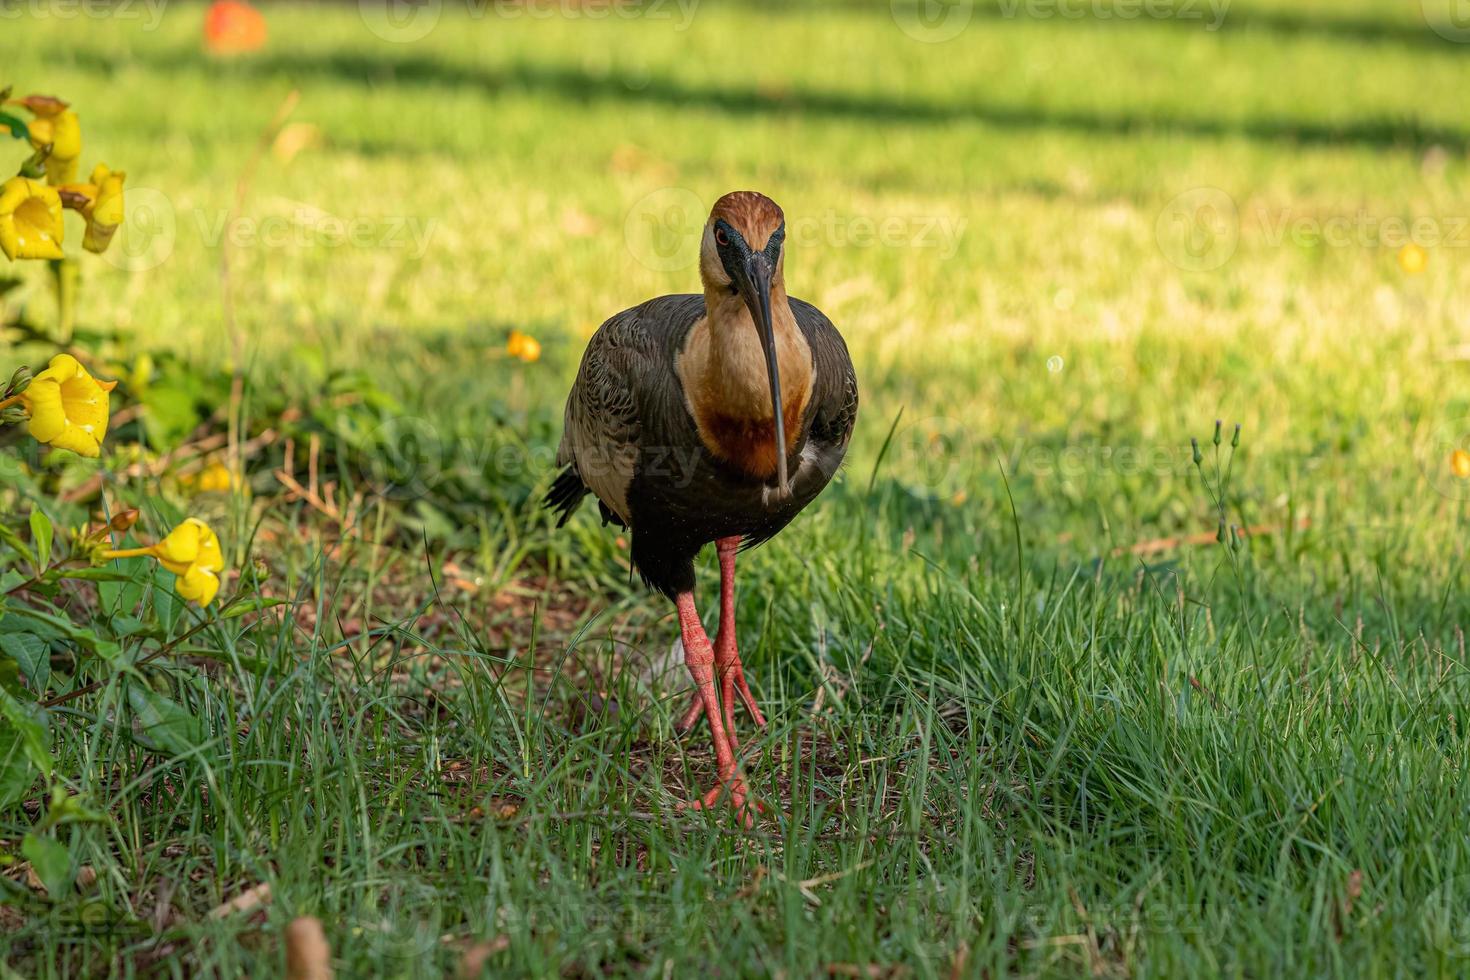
(308, 954)
(472, 963)
(869, 971)
(250, 898)
(294, 138)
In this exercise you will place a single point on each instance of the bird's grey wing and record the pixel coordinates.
(602, 425)
(834, 403)
(830, 416)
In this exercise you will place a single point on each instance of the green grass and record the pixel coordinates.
(1002, 741)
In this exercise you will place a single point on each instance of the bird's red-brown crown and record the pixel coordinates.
(751, 213)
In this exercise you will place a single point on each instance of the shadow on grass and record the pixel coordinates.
(1192, 16)
(567, 82)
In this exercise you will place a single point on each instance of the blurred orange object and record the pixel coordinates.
(233, 27)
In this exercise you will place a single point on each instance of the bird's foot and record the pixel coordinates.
(731, 680)
(733, 791)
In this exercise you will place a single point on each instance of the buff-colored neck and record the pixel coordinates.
(726, 385)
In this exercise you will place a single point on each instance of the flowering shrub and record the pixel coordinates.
(113, 599)
(85, 608)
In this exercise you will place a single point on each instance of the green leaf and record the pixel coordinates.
(255, 665)
(124, 594)
(166, 603)
(250, 606)
(15, 624)
(68, 808)
(42, 534)
(9, 536)
(50, 860)
(10, 675)
(16, 771)
(87, 639)
(172, 413)
(164, 722)
(125, 626)
(17, 127)
(31, 724)
(32, 654)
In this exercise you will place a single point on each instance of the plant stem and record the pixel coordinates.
(33, 582)
(65, 273)
(12, 400)
(127, 553)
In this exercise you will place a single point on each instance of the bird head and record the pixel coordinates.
(742, 251)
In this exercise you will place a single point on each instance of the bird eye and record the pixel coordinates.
(720, 237)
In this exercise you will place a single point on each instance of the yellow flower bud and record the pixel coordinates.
(100, 202)
(43, 106)
(523, 346)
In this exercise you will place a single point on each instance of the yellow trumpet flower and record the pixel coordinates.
(30, 220)
(68, 407)
(57, 125)
(524, 346)
(64, 132)
(192, 552)
(100, 202)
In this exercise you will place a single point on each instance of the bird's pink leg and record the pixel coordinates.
(728, 668)
(699, 657)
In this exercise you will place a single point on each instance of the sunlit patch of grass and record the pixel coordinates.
(1002, 740)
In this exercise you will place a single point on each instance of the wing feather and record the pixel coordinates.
(615, 407)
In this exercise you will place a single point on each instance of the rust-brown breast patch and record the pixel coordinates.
(747, 443)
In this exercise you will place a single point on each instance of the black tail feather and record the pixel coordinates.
(565, 495)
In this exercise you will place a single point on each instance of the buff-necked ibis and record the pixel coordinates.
(713, 417)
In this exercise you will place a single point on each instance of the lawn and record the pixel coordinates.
(1036, 706)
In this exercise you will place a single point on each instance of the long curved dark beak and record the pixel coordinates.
(756, 291)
